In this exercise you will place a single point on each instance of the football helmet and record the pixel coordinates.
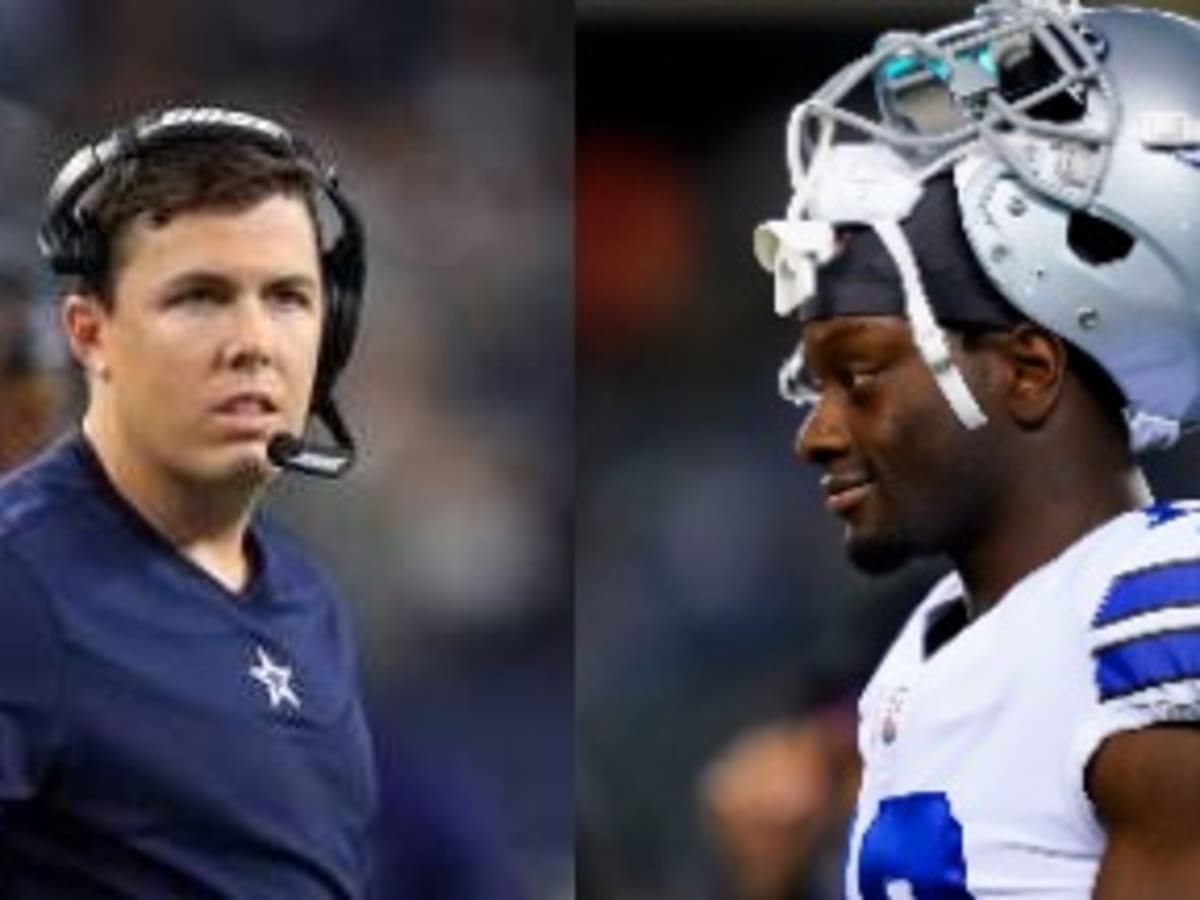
(1073, 137)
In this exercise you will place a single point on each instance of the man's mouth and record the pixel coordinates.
(844, 491)
(248, 403)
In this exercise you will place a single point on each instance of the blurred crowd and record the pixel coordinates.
(450, 122)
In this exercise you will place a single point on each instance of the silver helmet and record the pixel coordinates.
(1073, 137)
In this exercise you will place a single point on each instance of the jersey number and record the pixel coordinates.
(913, 850)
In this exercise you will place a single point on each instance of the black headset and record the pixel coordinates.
(74, 246)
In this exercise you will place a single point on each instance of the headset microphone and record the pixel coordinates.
(289, 452)
(296, 454)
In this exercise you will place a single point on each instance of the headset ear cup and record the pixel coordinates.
(91, 250)
(54, 245)
(343, 265)
(73, 246)
(73, 249)
(330, 360)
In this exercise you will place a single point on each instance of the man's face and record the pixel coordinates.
(210, 346)
(899, 468)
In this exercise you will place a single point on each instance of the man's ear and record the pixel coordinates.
(85, 322)
(1036, 365)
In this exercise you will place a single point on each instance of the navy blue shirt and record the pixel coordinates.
(160, 736)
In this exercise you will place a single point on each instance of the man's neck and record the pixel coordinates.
(1039, 522)
(206, 523)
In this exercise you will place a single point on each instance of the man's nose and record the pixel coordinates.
(252, 335)
(822, 435)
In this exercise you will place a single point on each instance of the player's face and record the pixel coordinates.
(899, 468)
(211, 343)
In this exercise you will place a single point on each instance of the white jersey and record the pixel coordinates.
(974, 756)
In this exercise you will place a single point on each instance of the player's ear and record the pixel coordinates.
(1035, 362)
(84, 319)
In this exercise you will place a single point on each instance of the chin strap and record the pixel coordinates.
(927, 334)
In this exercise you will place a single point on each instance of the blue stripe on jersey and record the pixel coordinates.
(1164, 511)
(1160, 587)
(1155, 659)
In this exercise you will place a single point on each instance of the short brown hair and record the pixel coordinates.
(159, 183)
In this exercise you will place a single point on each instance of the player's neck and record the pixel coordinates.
(206, 523)
(1040, 518)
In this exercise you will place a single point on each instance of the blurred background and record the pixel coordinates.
(450, 122)
(721, 638)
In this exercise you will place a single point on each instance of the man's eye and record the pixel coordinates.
(861, 379)
(292, 298)
(199, 295)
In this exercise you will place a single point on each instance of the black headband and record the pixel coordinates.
(862, 280)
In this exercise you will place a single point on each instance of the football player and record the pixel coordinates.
(997, 284)
(179, 715)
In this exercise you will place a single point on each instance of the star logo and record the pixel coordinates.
(275, 678)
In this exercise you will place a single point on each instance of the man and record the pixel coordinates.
(997, 294)
(178, 709)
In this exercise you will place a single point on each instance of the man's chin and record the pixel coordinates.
(878, 554)
(245, 466)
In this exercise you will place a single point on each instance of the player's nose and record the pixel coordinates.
(822, 435)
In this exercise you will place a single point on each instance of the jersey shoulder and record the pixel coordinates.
(1144, 627)
(55, 482)
(32, 649)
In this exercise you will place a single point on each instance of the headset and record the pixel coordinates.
(75, 248)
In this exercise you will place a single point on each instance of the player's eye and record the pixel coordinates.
(858, 379)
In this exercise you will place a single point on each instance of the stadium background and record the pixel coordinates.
(450, 121)
(712, 595)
